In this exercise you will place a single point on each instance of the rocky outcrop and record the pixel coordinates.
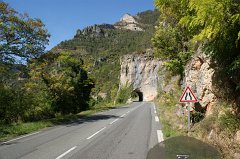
(94, 31)
(128, 19)
(128, 22)
(199, 77)
(140, 71)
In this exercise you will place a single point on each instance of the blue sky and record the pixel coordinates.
(63, 17)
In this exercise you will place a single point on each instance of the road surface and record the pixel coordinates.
(123, 133)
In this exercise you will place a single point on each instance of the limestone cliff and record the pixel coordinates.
(94, 31)
(128, 22)
(199, 76)
(140, 71)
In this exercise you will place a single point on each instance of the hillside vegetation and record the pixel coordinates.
(186, 25)
(77, 75)
(101, 47)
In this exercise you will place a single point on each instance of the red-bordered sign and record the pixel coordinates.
(188, 96)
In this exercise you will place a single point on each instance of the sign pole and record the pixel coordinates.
(189, 122)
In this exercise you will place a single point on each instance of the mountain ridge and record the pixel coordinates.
(124, 22)
(101, 46)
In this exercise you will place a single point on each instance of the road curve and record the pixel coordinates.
(127, 132)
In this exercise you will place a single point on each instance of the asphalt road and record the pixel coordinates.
(124, 133)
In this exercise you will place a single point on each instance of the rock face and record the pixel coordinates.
(237, 137)
(198, 76)
(94, 31)
(128, 19)
(140, 71)
(128, 22)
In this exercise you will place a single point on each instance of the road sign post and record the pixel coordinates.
(188, 97)
(189, 122)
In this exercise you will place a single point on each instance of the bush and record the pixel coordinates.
(124, 95)
(14, 103)
(229, 122)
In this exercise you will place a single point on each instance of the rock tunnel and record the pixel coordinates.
(137, 95)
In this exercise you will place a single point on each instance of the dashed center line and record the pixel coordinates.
(128, 111)
(120, 117)
(71, 149)
(109, 124)
(96, 133)
(123, 115)
(156, 119)
(114, 121)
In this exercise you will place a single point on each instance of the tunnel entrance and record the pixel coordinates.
(137, 95)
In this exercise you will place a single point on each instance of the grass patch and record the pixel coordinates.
(202, 129)
(13, 130)
(10, 131)
(229, 122)
(218, 129)
(166, 108)
(168, 130)
(168, 97)
(222, 118)
(169, 121)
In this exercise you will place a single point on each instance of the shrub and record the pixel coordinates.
(124, 94)
(229, 122)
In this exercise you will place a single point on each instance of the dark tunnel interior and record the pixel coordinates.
(139, 94)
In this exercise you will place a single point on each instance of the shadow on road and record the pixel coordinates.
(92, 118)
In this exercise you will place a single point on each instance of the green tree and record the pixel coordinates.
(20, 36)
(171, 40)
(215, 24)
(66, 80)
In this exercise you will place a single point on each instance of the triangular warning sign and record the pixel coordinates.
(188, 96)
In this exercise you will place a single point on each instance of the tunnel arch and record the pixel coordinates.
(137, 93)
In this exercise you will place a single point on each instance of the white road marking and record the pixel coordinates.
(96, 133)
(71, 149)
(123, 115)
(21, 137)
(155, 111)
(159, 136)
(114, 121)
(128, 112)
(156, 119)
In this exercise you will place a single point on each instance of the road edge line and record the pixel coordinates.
(160, 136)
(21, 137)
